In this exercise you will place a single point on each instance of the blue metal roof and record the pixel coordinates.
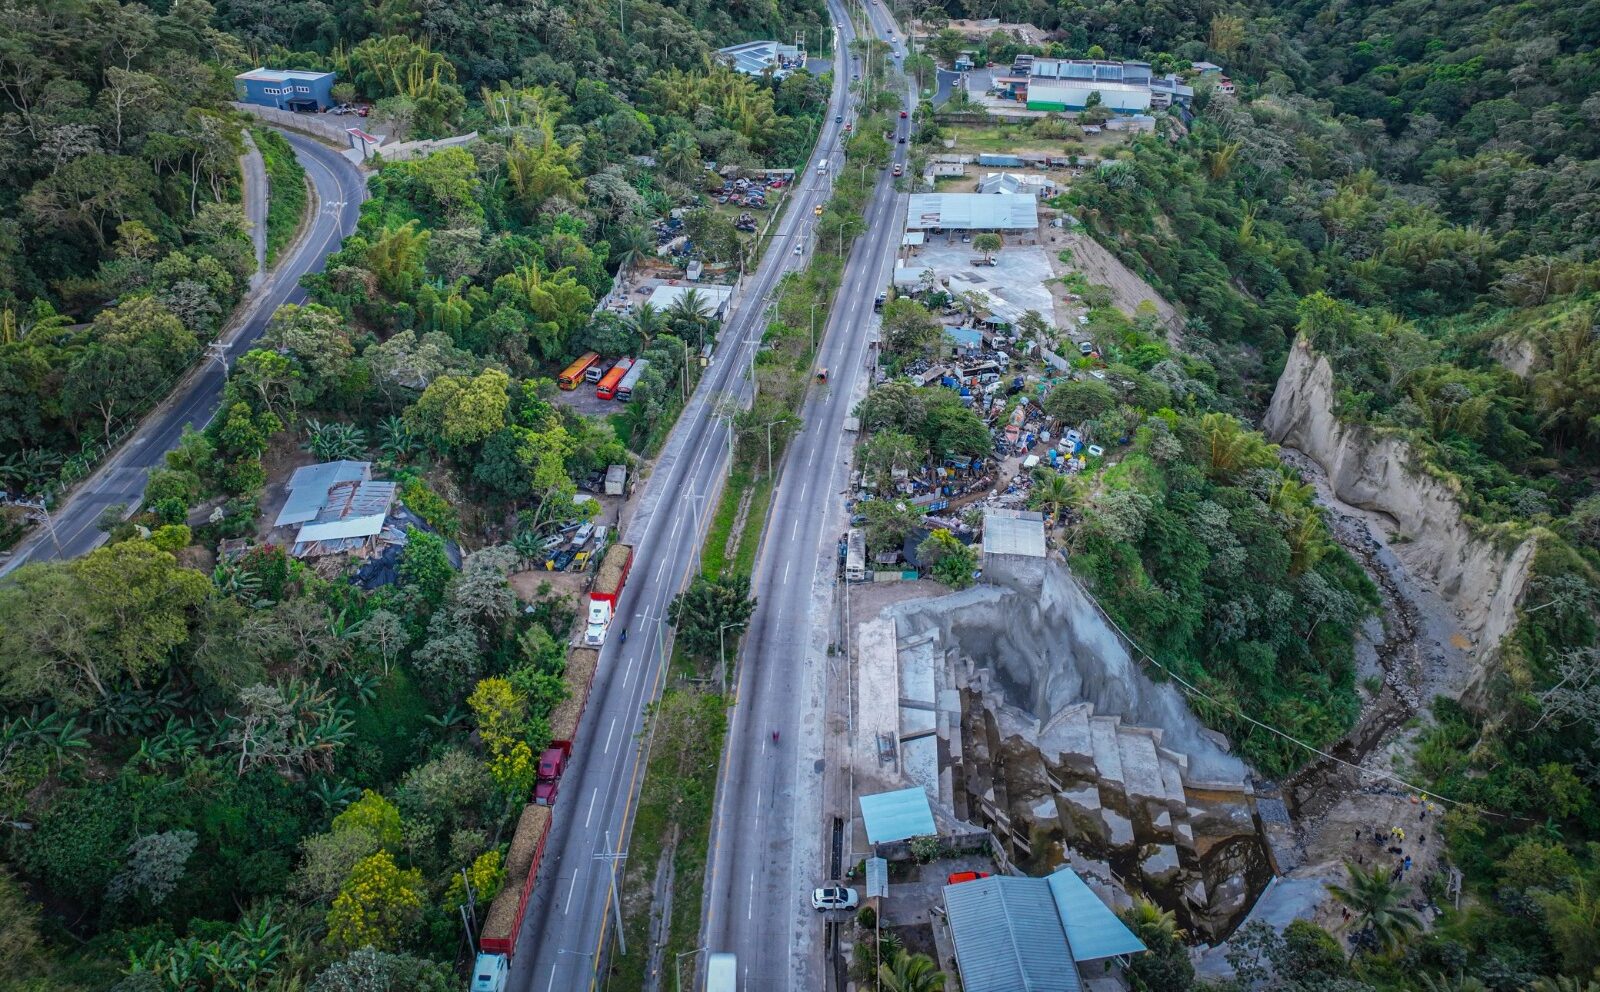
(1093, 930)
(1008, 937)
(1030, 934)
(892, 816)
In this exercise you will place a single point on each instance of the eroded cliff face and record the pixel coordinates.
(1481, 580)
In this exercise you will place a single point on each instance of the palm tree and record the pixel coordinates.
(1375, 899)
(645, 322)
(680, 155)
(1053, 493)
(690, 311)
(902, 972)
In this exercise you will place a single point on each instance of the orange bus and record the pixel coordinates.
(607, 390)
(574, 373)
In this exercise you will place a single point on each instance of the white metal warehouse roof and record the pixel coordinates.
(972, 212)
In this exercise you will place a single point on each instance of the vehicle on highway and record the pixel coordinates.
(899, 169)
(834, 897)
(551, 764)
(817, 210)
(956, 878)
(497, 942)
(903, 115)
(877, 304)
(607, 589)
(822, 167)
(838, 118)
(822, 375)
(722, 973)
(902, 139)
(490, 973)
(799, 249)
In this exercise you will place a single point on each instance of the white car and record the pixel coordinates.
(834, 897)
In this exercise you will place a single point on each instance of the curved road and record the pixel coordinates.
(340, 188)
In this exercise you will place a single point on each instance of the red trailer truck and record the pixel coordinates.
(498, 940)
(608, 583)
(581, 665)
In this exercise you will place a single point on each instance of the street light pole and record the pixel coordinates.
(677, 966)
(616, 903)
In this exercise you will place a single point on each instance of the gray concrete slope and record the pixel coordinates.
(768, 836)
(340, 187)
(567, 917)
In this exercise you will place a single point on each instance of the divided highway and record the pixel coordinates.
(340, 187)
(563, 932)
(767, 838)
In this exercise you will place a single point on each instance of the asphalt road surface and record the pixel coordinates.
(340, 188)
(561, 944)
(768, 836)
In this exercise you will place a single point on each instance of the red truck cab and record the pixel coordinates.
(552, 763)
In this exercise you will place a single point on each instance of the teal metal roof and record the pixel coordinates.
(1008, 936)
(1093, 929)
(1017, 934)
(892, 816)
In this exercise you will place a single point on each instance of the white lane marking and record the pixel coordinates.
(795, 529)
(552, 983)
(785, 572)
(750, 913)
(594, 797)
(570, 890)
(610, 734)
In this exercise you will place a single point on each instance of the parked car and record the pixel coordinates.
(1085, 347)
(582, 536)
(560, 562)
(956, 878)
(834, 897)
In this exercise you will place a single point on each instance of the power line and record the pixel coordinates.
(1194, 690)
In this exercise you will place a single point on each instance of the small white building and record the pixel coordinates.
(1013, 544)
(1013, 182)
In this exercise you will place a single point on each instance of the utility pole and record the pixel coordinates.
(616, 902)
(39, 511)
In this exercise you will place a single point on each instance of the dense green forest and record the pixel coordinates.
(122, 184)
(237, 771)
(1411, 187)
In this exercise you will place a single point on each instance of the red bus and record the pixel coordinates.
(607, 390)
(574, 373)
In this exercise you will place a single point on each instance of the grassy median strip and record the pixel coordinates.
(286, 189)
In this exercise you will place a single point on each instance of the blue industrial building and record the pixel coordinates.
(286, 89)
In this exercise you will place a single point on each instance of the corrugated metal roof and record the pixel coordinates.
(1013, 532)
(1093, 930)
(1009, 937)
(972, 212)
(892, 816)
(336, 530)
(308, 488)
(877, 877)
